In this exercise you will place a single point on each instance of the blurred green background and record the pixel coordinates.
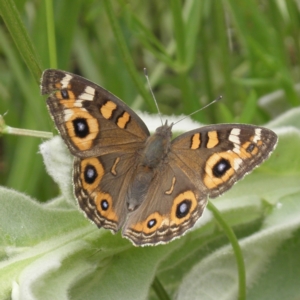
(246, 51)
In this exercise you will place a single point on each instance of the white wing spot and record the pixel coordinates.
(78, 103)
(65, 81)
(90, 90)
(237, 163)
(88, 94)
(234, 138)
(68, 113)
(257, 136)
(234, 135)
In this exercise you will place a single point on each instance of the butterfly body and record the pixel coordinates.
(151, 187)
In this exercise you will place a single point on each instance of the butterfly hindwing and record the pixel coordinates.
(168, 210)
(100, 185)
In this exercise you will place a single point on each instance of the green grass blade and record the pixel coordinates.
(51, 34)
(236, 249)
(19, 34)
(127, 57)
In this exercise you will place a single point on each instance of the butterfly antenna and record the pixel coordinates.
(149, 85)
(207, 105)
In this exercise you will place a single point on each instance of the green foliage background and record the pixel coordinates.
(238, 50)
(247, 51)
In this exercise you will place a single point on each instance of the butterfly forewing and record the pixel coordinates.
(219, 155)
(89, 118)
(203, 162)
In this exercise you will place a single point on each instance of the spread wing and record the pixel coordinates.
(201, 163)
(91, 120)
(172, 206)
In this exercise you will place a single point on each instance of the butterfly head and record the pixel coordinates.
(164, 131)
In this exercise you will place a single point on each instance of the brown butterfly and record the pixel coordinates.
(152, 187)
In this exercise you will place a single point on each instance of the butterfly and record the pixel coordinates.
(151, 187)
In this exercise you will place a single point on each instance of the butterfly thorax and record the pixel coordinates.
(157, 147)
(150, 162)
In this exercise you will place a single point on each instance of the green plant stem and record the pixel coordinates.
(51, 34)
(26, 132)
(127, 57)
(236, 249)
(159, 289)
(19, 34)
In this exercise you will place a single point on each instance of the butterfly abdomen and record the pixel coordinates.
(151, 159)
(138, 188)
